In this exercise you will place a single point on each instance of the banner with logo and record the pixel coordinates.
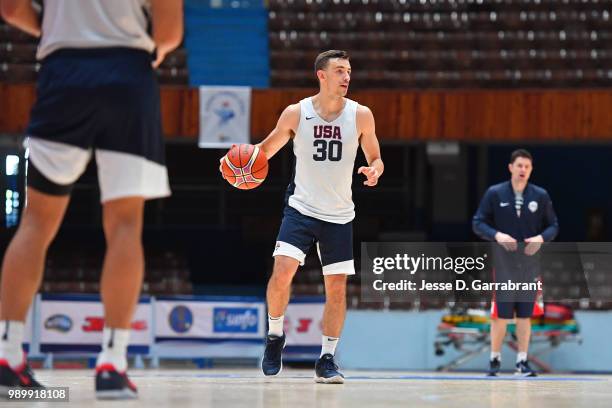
(80, 322)
(303, 323)
(225, 114)
(193, 319)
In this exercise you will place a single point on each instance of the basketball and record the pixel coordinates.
(245, 166)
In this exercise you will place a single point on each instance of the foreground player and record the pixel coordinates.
(97, 90)
(326, 130)
(512, 212)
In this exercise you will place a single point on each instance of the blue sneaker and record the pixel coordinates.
(272, 362)
(326, 371)
(524, 370)
(494, 367)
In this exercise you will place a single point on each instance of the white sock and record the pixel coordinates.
(521, 357)
(275, 325)
(114, 348)
(328, 345)
(11, 339)
(495, 355)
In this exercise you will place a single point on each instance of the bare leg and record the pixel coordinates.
(123, 269)
(498, 332)
(335, 305)
(279, 286)
(523, 334)
(24, 260)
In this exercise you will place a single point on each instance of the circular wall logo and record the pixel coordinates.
(180, 319)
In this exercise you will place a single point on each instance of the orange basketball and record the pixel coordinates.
(245, 166)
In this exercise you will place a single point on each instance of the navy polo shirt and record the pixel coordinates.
(497, 212)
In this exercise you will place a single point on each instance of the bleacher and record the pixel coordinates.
(446, 43)
(393, 43)
(18, 59)
(79, 272)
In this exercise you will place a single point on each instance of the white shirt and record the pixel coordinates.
(324, 164)
(94, 24)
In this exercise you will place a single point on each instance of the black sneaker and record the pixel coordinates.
(494, 367)
(22, 377)
(113, 385)
(326, 371)
(272, 362)
(524, 370)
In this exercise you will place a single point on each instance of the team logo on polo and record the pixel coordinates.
(533, 206)
(235, 320)
(180, 319)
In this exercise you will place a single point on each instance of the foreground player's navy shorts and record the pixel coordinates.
(106, 101)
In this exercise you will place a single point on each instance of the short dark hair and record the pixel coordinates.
(520, 153)
(324, 57)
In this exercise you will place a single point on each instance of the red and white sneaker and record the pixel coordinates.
(112, 384)
(21, 377)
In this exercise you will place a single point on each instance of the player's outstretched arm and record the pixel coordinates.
(167, 16)
(370, 146)
(21, 14)
(285, 128)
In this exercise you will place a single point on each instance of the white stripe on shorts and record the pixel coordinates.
(126, 175)
(286, 249)
(119, 174)
(61, 163)
(340, 268)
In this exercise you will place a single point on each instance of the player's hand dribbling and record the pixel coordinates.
(221, 162)
(371, 173)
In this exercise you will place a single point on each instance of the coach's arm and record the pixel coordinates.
(552, 223)
(483, 219)
(370, 146)
(21, 14)
(167, 16)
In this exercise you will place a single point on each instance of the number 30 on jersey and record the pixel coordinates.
(328, 143)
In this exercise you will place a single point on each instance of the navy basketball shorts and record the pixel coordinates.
(510, 310)
(104, 102)
(334, 242)
(514, 267)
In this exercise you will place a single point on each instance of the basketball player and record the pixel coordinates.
(512, 212)
(97, 92)
(326, 130)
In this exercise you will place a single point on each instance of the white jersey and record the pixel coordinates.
(324, 163)
(94, 24)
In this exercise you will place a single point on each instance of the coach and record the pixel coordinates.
(512, 213)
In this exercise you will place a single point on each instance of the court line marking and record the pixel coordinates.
(379, 378)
